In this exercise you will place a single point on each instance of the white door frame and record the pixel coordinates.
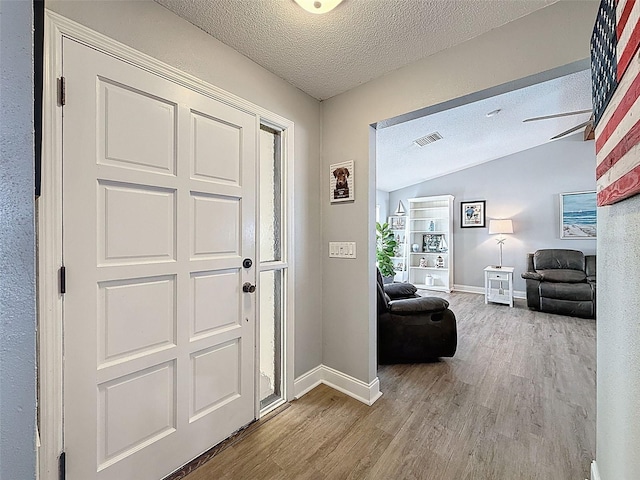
(49, 211)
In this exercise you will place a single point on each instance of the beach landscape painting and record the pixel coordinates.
(578, 219)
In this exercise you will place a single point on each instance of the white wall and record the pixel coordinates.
(549, 38)
(150, 28)
(618, 341)
(17, 244)
(524, 187)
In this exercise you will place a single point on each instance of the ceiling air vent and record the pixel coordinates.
(427, 139)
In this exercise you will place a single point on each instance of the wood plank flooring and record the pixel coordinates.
(517, 402)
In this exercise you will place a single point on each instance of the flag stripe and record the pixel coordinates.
(625, 10)
(629, 48)
(620, 150)
(625, 164)
(621, 129)
(627, 98)
(622, 166)
(622, 188)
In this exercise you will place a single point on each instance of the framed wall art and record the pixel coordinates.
(341, 182)
(578, 219)
(473, 214)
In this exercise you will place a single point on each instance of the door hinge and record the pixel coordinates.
(62, 91)
(62, 466)
(63, 279)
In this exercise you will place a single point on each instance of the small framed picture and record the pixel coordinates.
(397, 223)
(473, 214)
(341, 182)
(578, 217)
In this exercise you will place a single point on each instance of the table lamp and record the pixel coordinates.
(500, 227)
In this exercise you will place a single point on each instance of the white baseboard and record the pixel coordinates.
(480, 291)
(595, 475)
(307, 381)
(365, 393)
(468, 289)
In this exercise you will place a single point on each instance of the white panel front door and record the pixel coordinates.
(158, 213)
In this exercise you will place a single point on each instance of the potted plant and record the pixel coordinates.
(385, 248)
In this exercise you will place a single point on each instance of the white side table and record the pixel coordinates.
(495, 281)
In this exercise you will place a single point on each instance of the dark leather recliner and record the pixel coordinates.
(561, 281)
(412, 328)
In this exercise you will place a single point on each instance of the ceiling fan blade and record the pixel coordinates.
(557, 115)
(571, 130)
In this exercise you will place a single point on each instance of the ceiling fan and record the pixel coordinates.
(588, 131)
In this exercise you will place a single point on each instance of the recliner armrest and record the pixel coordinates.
(531, 276)
(417, 305)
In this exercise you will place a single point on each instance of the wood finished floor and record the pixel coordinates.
(517, 402)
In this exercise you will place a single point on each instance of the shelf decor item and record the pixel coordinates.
(397, 223)
(472, 214)
(431, 243)
(500, 227)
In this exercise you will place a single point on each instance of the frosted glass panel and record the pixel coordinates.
(270, 195)
(270, 336)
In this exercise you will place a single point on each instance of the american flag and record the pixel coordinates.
(616, 92)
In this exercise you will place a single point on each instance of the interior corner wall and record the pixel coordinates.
(618, 341)
(523, 187)
(549, 38)
(17, 244)
(154, 30)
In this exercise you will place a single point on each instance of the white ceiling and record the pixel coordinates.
(471, 138)
(324, 55)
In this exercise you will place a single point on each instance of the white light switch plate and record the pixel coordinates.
(342, 249)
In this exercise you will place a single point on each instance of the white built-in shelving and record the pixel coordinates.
(398, 225)
(430, 242)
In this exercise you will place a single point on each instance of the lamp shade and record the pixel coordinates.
(500, 226)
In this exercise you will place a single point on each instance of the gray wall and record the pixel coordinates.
(532, 44)
(150, 28)
(382, 200)
(618, 341)
(523, 187)
(17, 244)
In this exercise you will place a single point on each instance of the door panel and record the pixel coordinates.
(139, 129)
(148, 303)
(158, 213)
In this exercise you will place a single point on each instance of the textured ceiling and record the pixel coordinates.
(325, 55)
(471, 138)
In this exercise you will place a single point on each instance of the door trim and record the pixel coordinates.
(49, 215)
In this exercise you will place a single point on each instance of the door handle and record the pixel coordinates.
(248, 288)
